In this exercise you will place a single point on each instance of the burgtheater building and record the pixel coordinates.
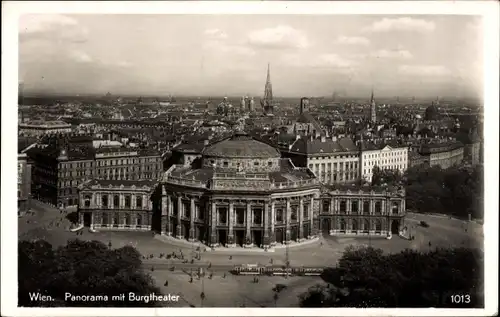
(242, 193)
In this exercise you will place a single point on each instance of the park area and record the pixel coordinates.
(226, 290)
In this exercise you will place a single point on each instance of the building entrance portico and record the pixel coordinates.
(257, 237)
(239, 236)
(222, 236)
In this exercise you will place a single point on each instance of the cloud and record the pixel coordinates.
(396, 54)
(282, 36)
(80, 56)
(215, 34)
(353, 40)
(216, 47)
(319, 61)
(401, 24)
(53, 27)
(424, 70)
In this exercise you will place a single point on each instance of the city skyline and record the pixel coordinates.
(228, 55)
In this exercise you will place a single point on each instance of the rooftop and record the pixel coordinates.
(241, 145)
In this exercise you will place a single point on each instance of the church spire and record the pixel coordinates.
(267, 101)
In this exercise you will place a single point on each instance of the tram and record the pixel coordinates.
(269, 270)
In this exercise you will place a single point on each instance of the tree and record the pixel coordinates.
(81, 268)
(453, 191)
(365, 277)
(385, 176)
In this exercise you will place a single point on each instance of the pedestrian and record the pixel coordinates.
(230, 257)
(166, 283)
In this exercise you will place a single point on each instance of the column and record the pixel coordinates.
(213, 232)
(133, 201)
(301, 219)
(332, 205)
(111, 201)
(92, 220)
(122, 201)
(230, 236)
(191, 221)
(248, 236)
(266, 225)
(164, 214)
(313, 223)
(273, 219)
(288, 220)
(170, 208)
(178, 230)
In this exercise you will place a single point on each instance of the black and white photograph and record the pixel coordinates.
(264, 158)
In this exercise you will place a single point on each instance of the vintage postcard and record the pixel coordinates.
(250, 158)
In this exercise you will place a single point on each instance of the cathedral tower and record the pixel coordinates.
(267, 101)
(373, 109)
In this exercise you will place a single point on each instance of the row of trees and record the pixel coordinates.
(80, 268)
(365, 277)
(456, 191)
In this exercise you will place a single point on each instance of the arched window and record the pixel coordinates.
(366, 225)
(104, 201)
(87, 201)
(105, 219)
(342, 225)
(293, 214)
(127, 201)
(139, 219)
(354, 207)
(138, 202)
(366, 207)
(116, 201)
(395, 207)
(343, 206)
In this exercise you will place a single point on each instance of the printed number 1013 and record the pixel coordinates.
(460, 299)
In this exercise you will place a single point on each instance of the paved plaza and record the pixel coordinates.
(50, 224)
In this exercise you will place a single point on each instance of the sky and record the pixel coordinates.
(309, 55)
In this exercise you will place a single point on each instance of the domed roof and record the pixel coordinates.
(432, 112)
(241, 145)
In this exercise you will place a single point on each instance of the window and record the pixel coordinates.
(87, 201)
(270, 164)
(240, 216)
(225, 163)
(343, 206)
(116, 201)
(378, 225)
(366, 207)
(378, 207)
(105, 218)
(104, 201)
(395, 208)
(354, 206)
(354, 225)
(116, 219)
(326, 206)
(293, 214)
(222, 214)
(279, 215)
(342, 225)
(127, 219)
(127, 201)
(256, 163)
(257, 216)
(138, 202)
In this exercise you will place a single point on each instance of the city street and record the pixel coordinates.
(239, 290)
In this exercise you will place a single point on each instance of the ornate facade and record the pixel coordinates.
(244, 194)
(116, 204)
(365, 211)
